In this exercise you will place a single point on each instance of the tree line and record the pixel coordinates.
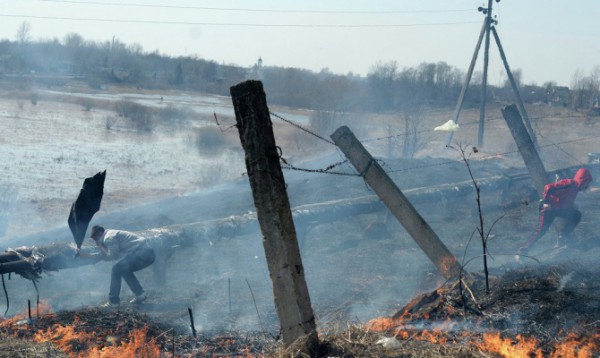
(386, 88)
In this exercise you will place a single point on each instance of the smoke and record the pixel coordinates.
(18, 215)
(215, 267)
(7, 199)
(564, 280)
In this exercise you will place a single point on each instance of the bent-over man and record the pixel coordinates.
(133, 253)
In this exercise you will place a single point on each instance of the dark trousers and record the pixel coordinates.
(132, 262)
(571, 216)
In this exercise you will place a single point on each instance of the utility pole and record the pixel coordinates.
(292, 300)
(486, 55)
(487, 28)
(515, 89)
(463, 90)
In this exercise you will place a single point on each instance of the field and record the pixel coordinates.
(183, 167)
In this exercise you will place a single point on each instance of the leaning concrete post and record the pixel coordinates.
(526, 147)
(398, 204)
(274, 214)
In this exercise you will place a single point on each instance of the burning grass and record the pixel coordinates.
(542, 311)
(107, 334)
(359, 341)
(551, 311)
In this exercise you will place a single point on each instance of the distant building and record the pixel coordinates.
(533, 94)
(559, 96)
(256, 71)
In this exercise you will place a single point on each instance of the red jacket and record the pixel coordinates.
(562, 194)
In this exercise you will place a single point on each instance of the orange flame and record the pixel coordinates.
(136, 347)
(449, 266)
(43, 308)
(522, 348)
(380, 324)
(434, 336)
(64, 337)
(84, 345)
(574, 346)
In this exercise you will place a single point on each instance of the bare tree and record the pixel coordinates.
(585, 89)
(135, 48)
(73, 40)
(483, 234)
(517, 76)
(382, 79)
(578, 90)
(594, 87)
(412, 120)
(24, 32)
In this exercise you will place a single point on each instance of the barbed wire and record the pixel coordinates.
(327, 170)
(395, 136)
(582, 139)
(464, 124)
(484, 157)
(363, 140)
(302, 128)
(560, 149)
(219, 124)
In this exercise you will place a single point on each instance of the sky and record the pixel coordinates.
(546, 40)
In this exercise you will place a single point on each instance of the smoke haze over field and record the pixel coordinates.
(159, 183)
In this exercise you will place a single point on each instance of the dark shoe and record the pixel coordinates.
(138, 299)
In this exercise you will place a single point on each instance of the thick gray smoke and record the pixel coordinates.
(219, 269)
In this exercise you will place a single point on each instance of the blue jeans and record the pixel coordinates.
(136, 260)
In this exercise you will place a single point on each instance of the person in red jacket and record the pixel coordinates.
(558, 201)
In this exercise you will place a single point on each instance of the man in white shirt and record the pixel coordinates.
(133, 253)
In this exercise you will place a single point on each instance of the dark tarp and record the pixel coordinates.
(86, 205)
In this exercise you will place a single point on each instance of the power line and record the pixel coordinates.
(294, 11)
(162, 22)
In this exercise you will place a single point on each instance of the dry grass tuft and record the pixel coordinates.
(12, 347)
